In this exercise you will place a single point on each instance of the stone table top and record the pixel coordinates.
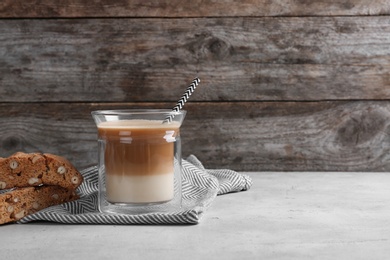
(285, 215)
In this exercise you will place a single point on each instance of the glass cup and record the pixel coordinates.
(139, 160)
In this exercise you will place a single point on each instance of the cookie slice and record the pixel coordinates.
(35, 169)
(21, 202)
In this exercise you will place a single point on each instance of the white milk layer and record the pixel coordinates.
(139, 189)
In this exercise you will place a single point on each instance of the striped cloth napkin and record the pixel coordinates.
(200, 188)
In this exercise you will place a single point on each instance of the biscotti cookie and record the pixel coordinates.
(35, 169)
(21, 202)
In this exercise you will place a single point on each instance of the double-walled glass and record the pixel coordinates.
(139, 160)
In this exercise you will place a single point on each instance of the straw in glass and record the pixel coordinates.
(179, 105)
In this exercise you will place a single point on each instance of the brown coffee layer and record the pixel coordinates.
(138, 147)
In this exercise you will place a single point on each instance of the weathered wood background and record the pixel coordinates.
(286, 85)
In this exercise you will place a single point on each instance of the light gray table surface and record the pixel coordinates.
(285, 215)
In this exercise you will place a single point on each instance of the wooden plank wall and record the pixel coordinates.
(287, 85)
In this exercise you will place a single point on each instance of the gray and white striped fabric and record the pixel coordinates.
(200, 188)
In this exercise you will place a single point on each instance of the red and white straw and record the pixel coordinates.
(179, 105)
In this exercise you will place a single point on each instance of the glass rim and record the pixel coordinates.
(136, 111)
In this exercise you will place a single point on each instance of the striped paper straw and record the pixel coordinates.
(183, 99)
